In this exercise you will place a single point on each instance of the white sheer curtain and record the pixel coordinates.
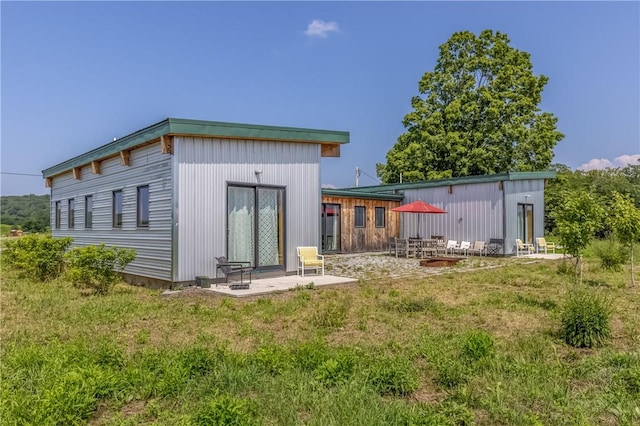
(241, 208)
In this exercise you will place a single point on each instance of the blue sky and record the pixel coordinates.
(74, 75)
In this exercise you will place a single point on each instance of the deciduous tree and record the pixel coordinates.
(477, 113)
(624, 218)
(577, 219)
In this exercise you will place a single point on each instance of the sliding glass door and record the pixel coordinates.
(525, 223)
(255, 221)
(330, 227)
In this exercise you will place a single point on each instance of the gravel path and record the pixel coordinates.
(372, 265)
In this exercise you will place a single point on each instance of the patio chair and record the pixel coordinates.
(451, 246)
(523, 247)
(414, 247)
(441, 247)
(308, 258)
(401, 247)
(392, 246)
(495, 247)
(477, 247)
(542, 244)
(234, 268)
(462, 249)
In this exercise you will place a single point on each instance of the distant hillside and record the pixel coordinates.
(30, 212)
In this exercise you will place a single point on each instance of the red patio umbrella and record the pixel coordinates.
(418, 206)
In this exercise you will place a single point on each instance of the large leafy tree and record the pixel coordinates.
(477, 113)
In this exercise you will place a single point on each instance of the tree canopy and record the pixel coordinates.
(477, 113)
(29, 212)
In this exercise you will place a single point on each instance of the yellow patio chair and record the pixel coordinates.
(545, 245)
(523, 247)
(308, 258)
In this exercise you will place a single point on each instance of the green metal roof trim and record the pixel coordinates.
(179, 126)
(392, 187)
(360, 194)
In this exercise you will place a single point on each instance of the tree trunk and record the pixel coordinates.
(633, 281)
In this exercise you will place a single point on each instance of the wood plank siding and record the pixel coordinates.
(369, 237)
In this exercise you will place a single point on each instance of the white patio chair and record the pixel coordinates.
(462, 249)
(451, 246)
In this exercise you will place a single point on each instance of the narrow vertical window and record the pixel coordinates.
(117, 209)
(88, 211)
(380, 213)
(360, 216)
(143, 206)
(58, 214)
(71, 213)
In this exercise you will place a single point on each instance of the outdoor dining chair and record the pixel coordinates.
(523, 247)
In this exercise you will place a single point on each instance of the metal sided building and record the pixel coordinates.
(501, 206)
(182, 192)
(354, 221)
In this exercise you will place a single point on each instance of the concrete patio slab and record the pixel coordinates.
(263, 286)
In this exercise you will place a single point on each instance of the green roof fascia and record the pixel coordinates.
(361, 194)
(392, 187)
(178, 126)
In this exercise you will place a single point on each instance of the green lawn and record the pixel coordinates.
(462, 348)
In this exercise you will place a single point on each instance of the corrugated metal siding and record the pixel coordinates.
(524, 192)
(153, 245)
(205, 165)
(474, 212)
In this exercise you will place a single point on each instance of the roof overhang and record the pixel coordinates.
(361, 195)
(466, 180)
(330, 140)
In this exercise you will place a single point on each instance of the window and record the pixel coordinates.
(117, 209)
(525, 223)
(71, 213)
(380, 213)
(88, 211)
(58, 214)
(143, 206)
(360, 216)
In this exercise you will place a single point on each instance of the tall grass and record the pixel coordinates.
(468, 348)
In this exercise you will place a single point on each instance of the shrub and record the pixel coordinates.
(586, 319)
(39, 256)
(612, 257)
(97, 267)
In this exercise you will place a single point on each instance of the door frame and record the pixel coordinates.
(256, 187)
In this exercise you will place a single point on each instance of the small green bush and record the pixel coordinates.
(612, 256)
(586, 319)
(97, 267)
(39, 256)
